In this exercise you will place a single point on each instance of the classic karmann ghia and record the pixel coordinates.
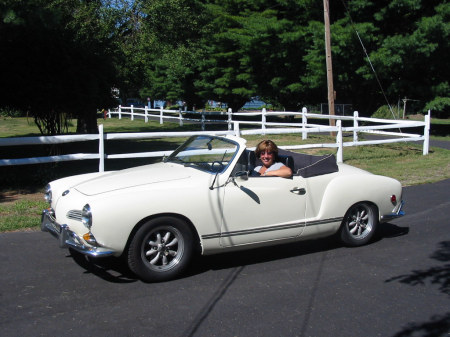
(204, 198)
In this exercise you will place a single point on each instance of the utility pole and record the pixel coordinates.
(331, 93)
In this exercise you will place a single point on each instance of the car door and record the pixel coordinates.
(261, 209)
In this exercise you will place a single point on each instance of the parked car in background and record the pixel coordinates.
(158, 104)
(203, 198)
(136, 103)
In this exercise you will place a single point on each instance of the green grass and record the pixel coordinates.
(404, 162)
(21, 214)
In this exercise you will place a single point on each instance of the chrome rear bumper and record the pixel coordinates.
(397, 213)
(68, 238)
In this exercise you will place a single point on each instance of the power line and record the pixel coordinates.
(368, 58)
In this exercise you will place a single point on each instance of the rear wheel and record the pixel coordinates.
(359, 225)
(161, 249)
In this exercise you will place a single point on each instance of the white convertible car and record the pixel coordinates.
(204, 197)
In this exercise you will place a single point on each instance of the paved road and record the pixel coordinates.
(445, 144)
(397, 286)
(440, 143)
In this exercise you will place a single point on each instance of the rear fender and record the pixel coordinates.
(343, 192)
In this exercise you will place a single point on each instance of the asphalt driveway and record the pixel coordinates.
(397, 286)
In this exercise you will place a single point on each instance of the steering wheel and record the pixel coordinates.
(221, 166)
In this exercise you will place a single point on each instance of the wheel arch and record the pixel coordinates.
(343, 233)
(371, 203)
(197, 244)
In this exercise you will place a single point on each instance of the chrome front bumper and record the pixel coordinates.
(397, 213)
(68, 238)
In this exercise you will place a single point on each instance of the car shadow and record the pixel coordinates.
(115, 270)
(111, 269)
(388, 231)
(283, 251)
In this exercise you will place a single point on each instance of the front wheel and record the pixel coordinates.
(359, 225)
(161, 249)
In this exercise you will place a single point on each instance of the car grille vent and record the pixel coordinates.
(74, 215)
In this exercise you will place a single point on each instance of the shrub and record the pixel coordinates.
(384, 112)
(440, 107)
(10, 112)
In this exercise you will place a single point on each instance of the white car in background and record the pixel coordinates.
(204, 197)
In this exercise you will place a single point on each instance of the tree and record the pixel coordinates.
(55, 67)
(410, 56)
(172, 34)
(225, 71)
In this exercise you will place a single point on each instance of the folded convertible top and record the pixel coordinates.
(307, 165)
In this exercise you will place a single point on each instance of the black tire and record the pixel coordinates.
(359, 225)
(161, 249)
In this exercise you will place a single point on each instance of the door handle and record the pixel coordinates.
(299, 190)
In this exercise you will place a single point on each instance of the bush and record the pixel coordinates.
(384, 112)
(440, 107)
(10, 112)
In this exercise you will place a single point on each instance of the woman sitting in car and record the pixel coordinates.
(267, 152)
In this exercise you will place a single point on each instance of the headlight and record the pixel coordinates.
(86, 216)
(48, 194)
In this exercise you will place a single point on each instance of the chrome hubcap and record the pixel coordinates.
(163, 248)
(360, 221)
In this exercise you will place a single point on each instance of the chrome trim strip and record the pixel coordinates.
(270, 229)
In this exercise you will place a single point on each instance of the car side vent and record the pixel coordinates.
(74, 215)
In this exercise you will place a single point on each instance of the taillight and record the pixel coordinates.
(394, 199)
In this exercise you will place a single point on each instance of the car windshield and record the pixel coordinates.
(207, 153)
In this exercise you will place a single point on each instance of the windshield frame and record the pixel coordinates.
(205, 146)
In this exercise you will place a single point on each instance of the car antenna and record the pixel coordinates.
(217, 173)
(214, 181)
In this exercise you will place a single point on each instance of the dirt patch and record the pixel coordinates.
(13, 196)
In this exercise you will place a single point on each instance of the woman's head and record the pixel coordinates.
(267, 151)
(266, 146)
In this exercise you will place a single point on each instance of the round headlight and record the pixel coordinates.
(48, 194)
(86, 216)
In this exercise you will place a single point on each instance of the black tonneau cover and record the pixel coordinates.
(307, 165)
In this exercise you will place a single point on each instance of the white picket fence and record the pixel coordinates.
(382, 127)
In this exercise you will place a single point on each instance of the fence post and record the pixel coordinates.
(304, 123)
(101, 149)
(237, 132)
(340, 151)
(161, 114)
(180, 116)
(132, 112)
(229, 112)
(426, 133)
(203, 121)
(146, 114)
(263, 121)
(120, 112)
(355, 125)
(109, 113)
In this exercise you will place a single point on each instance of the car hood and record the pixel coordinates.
(137, 176)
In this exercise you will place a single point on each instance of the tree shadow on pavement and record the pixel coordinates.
(438, 325)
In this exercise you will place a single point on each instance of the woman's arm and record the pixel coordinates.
(284, 172)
